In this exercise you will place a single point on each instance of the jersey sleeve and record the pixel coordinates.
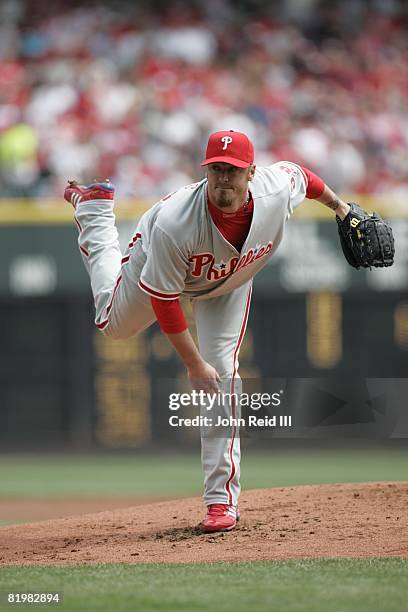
(170, 315)
(296, 179)
(163, 275)
(315, 185)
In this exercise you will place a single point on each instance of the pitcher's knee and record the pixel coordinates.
(115, 333)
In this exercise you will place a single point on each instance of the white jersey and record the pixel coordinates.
(178, 250)
(185, 252)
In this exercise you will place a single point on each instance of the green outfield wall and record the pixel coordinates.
(62, 383)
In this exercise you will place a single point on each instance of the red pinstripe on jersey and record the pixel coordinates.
(158, 294)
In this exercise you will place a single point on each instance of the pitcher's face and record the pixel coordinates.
(228, 184)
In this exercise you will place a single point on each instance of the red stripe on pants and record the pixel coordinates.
(240, 338)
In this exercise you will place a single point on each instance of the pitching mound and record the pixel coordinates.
(356, 520)
(28, 509)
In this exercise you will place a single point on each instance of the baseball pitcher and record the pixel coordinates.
(207, 241)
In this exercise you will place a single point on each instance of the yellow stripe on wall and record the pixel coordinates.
(58, 212)
(55, 211)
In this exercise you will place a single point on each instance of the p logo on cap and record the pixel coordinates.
(226, 140)
(231, 147)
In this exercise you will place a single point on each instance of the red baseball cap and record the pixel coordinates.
(229, 147)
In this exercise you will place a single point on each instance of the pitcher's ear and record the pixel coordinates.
(251, 172)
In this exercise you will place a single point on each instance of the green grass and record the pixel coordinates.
(172, 475)
(322, 585)
(334, 585)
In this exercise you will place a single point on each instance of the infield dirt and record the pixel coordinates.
(344, 520)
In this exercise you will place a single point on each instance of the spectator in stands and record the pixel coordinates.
(133, 92)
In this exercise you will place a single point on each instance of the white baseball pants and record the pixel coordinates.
(123, 310)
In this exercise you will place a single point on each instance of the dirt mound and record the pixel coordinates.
(353, 520)
(28, 509)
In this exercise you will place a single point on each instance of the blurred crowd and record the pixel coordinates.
(131, 90)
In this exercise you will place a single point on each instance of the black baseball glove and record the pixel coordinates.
(366, 239)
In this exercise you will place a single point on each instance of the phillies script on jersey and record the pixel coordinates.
(204, 263)
(182, 252)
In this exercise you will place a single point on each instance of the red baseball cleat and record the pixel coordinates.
(220, 517)
(74, 193)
